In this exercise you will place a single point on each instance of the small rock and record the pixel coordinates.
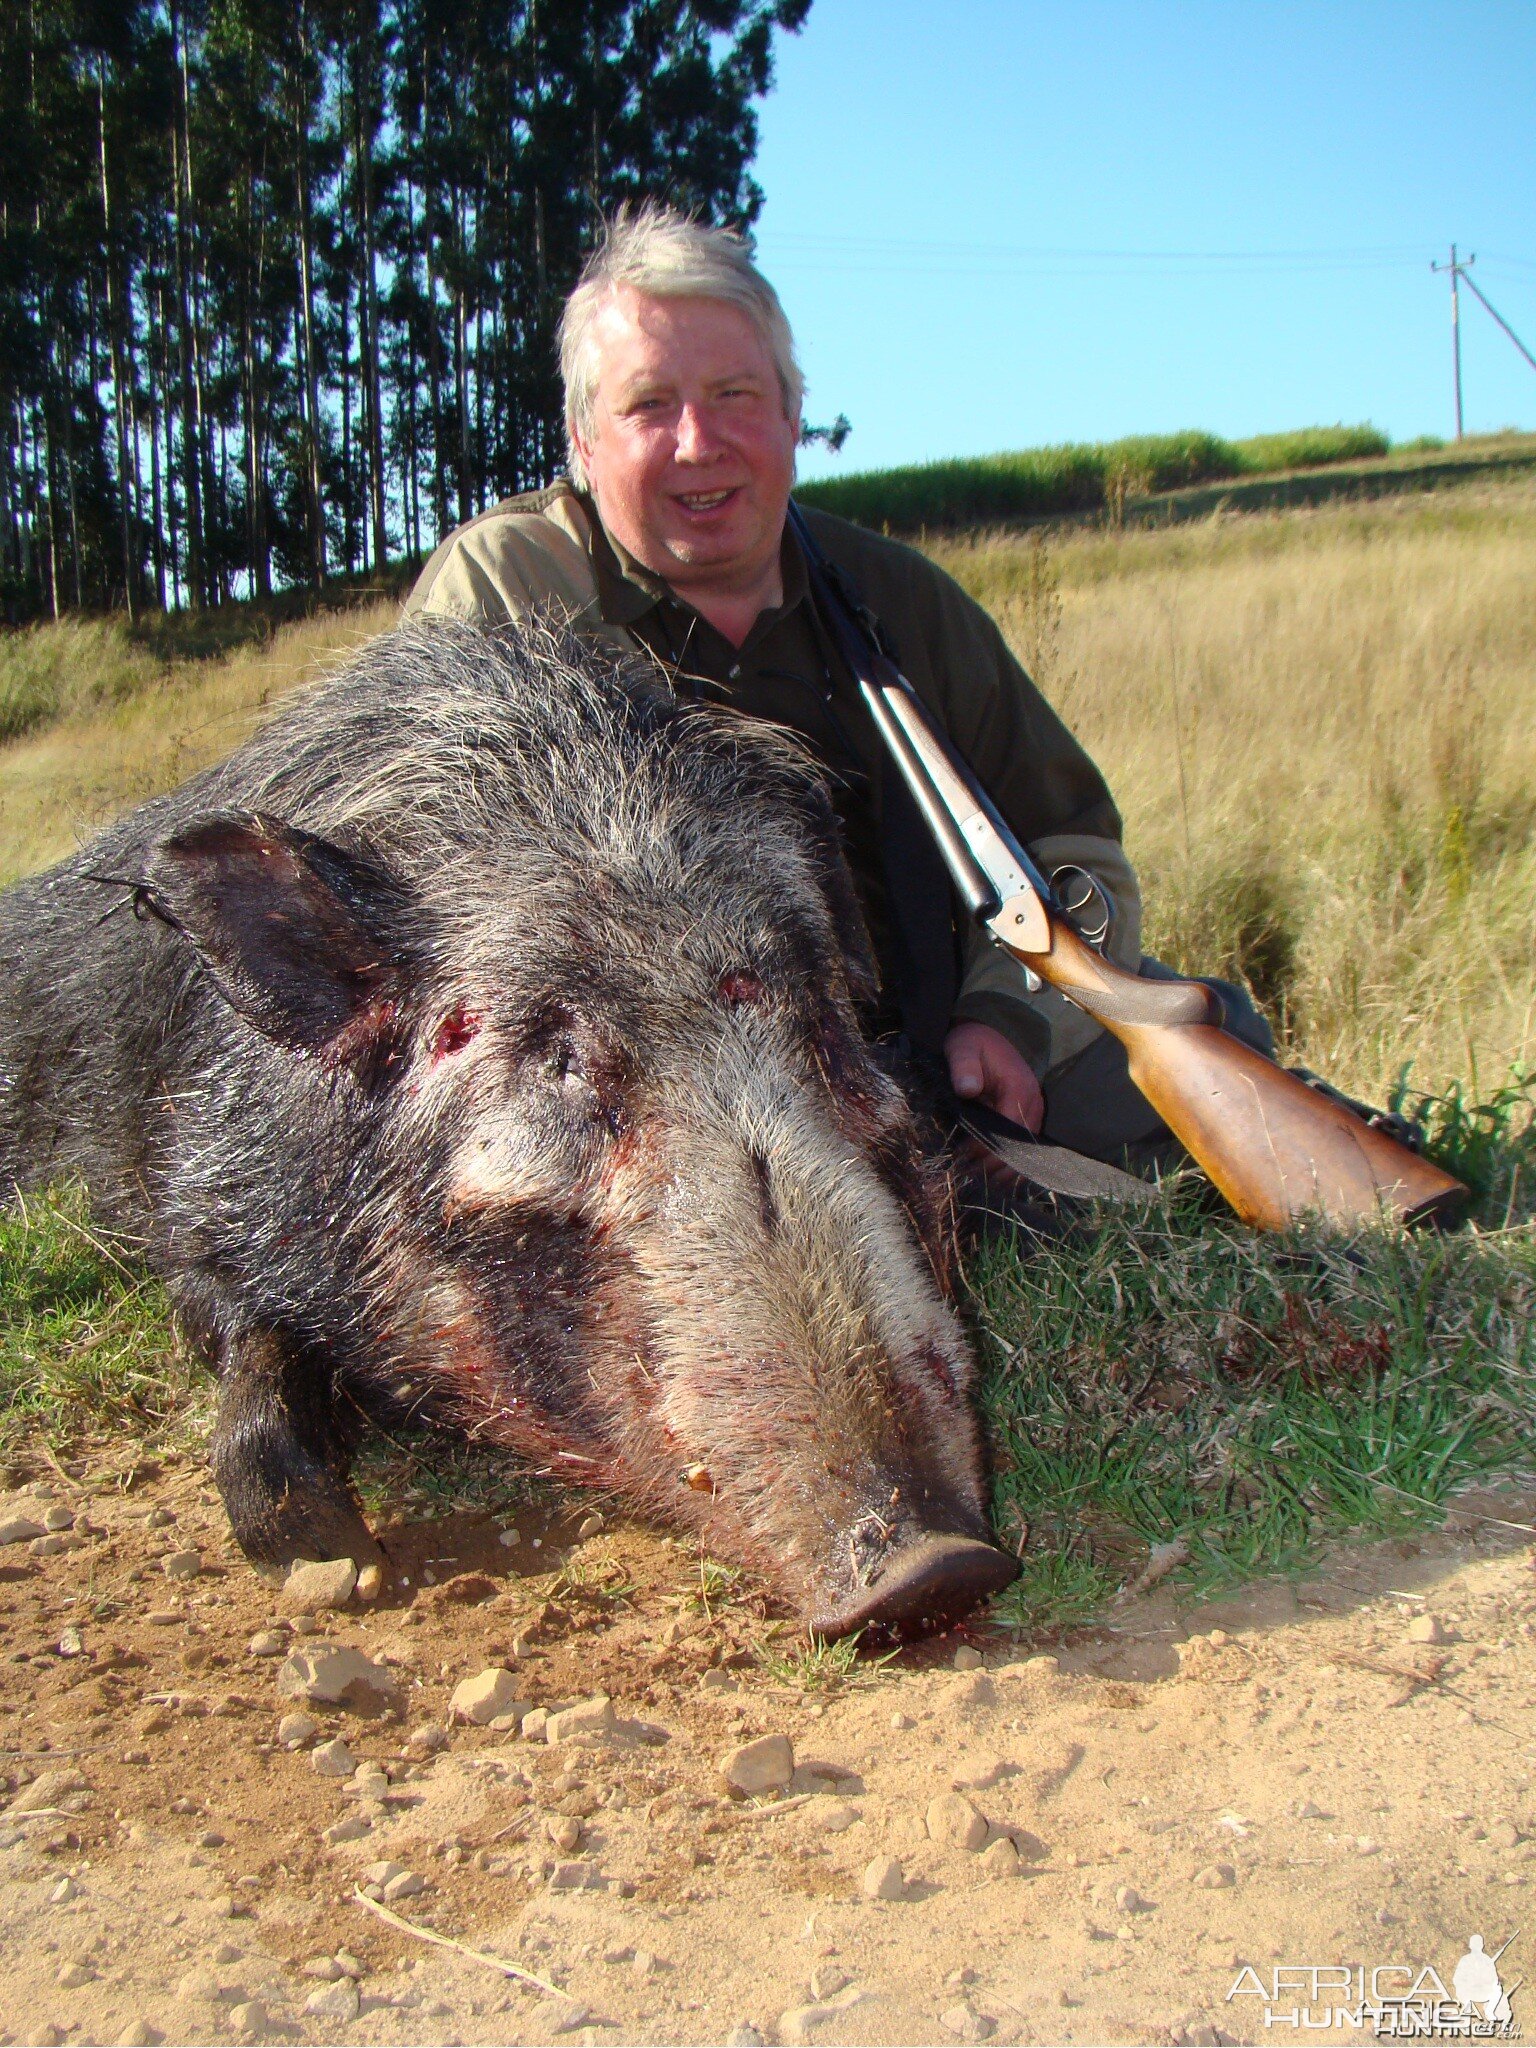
(268, 1642)
(333, 1759)
(153, 1721)
(968, 1659)
(835, 1815)
(1310, 1810)
(1000, 1858)
(182, 1564)
(210, 1838)
(139, 2034)
(72, 1975)
(370, 1582)
(48, 1789)
(335, 1675)
(766, 1765)
(485, 1698)
(338, 2001)
(326, 1968)
(368, 1781)
(352, 1829)
(310, 1587)
(428, 1739)
(350, 1965)
(564, 1832)
(643, 1967)
(827, 1981)
(745, 2036)
(575, 1877)
(71, 1643)
(248, 2017)
(1428, 1628)
(46, 2036)
(294, 1730)
(902, 1721)
(164, 1617)
(1366, 1846)
(19, 1529)
(1503, 1834)
(589, 1720)
(159, 1518)
(592, 1526)
(406, 1886)
(1216, 1877)
(58, 1517)
(226, 1953)
(1129, 1900)
(966, 2024)
(510, 1538)
(716, 1680)
(955, 1823)
(534, 1724)
(883, 1879)
(201, 1985)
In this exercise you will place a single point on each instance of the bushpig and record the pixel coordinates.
(481, 1041)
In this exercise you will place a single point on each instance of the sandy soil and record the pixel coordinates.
(1334, 1774)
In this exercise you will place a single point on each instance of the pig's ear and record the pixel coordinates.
(289, 927)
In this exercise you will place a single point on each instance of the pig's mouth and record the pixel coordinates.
(925, 1585)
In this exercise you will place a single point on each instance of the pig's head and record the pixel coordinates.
(586, 967)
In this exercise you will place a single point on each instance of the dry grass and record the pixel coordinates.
(159, 723)
(1321, 728)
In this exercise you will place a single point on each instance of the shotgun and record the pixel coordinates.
(1275, 1148)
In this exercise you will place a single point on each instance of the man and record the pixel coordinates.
(683, 404)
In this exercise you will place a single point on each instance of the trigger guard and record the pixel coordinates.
(1089, 890)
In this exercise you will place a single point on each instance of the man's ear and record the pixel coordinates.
(290, 929)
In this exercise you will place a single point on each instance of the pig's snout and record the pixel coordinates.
(927, 1585)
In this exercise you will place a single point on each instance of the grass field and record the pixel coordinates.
(1321, 725)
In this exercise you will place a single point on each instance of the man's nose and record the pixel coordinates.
(696, 437)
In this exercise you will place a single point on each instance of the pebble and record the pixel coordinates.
(1503, 1834)
(338, 2001)
(248, 2017)
(335, 1675)
(72, 1975)
(65, 1890)
(46, 2036)
(428, 1739)
(1310, 1810)
(1428, 1628)
(370, 1582)
(19, 1529)
(333, 1759)
(406, 1886)
(198, 1984)
(311, 1587)
(968, 1659)
(1216, 1877)
(268, 1642)
(745, 2036)
(510, 1538)
(368, 1781)
(227, 1953)
(534, 1724)
(588, 1720)
(71, 1643)
(955, 1823)
(326, 1968)
(965, 2023)
(210, 1838)
(902, 1721)
(883, 1878)
(1129, 1900)
(766, 1765)
(182, 1564)
(827, 1981)
(58, 1517)
(48, 1788)
(835, 1815)
(796, 2024)
(352, 1829)
(575, 1877)
(164, 1617)
(594, 1525)
(484, 1698)
(294, 1730)
(139, 2034)
(1001, 1858)
(564, 1832)
(159, 1518)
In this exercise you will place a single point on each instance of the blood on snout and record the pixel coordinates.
(932, 1359)
(454, 1031)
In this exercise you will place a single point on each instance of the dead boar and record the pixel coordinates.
(482, 1039)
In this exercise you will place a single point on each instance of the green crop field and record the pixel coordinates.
(1321, 725)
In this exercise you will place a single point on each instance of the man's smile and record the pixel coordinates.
(706, 501)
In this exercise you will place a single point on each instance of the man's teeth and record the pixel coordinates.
(704, 501)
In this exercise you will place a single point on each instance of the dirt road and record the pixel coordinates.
(1096, 1840)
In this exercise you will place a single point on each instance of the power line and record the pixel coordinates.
(1460, 270)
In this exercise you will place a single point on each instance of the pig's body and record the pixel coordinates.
(486, 1045)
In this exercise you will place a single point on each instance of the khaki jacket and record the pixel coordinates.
(546, 551)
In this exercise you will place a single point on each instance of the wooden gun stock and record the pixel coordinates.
(1273, 1146)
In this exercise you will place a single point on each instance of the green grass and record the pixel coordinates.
(85, 1339)
(1036, 483)
(1177, 1379)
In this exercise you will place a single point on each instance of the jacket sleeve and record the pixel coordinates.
(514, 560)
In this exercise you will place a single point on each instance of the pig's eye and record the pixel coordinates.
(741, 988)
(454, 1032)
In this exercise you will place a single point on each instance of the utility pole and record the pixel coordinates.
(1457, 269)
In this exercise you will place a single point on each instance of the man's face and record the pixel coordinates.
(690, 456)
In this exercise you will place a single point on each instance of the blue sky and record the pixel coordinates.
(1001, 222)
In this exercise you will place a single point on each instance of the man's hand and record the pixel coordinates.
(984, 1067)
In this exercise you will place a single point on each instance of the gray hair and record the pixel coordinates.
(659, 251)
